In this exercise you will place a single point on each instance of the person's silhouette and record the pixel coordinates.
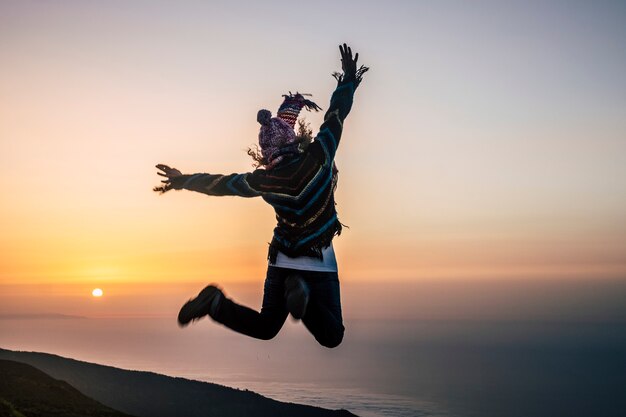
(302, 276)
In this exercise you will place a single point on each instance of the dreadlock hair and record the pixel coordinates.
(304, 135)
(255, 153)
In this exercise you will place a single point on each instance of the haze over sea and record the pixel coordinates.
(557, 349)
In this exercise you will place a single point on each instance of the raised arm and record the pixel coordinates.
(242, 185)
(340, 101)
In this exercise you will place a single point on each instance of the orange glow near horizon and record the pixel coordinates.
(468, 167)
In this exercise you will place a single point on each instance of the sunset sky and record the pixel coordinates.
(488, 141)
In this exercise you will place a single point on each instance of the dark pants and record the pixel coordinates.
(322, 317)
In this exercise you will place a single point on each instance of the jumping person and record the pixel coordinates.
(302, 277)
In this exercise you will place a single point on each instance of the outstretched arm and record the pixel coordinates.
(341, 101)
(211, 184)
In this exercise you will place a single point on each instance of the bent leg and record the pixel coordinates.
(323, 315)
(260, 325)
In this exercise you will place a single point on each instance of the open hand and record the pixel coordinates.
(348, 65)
(170, 174)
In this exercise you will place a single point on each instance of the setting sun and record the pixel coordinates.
(97, 292)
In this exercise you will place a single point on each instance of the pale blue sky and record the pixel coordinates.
(497, 129)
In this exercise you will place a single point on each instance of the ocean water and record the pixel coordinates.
(384, 367)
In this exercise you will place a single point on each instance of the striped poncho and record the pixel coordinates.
(300, 188)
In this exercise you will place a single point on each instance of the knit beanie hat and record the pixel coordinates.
(276, 135)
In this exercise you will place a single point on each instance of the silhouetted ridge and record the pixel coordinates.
(27, 391)
(146, 394)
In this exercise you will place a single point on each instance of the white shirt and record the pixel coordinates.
(308, 263)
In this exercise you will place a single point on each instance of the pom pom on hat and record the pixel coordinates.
(264, 117)
(276, 135)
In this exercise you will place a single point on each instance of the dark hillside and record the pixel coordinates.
(147, 394)
(26, 391)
